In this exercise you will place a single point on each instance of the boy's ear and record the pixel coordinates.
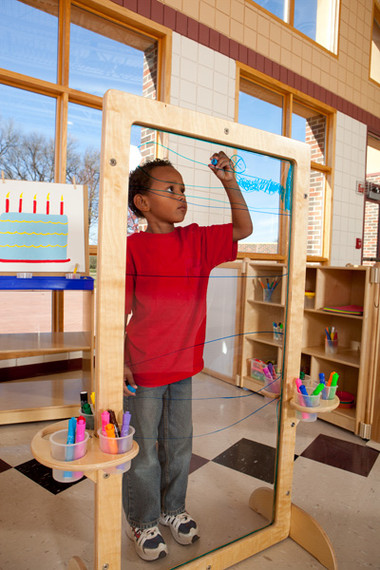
(141, 202)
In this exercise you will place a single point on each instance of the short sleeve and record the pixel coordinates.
(218, 245)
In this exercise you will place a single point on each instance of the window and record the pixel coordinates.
(316, 19)
(371, 233)
(51, 129)
(375, 44)
(261, 108)
(280, 112)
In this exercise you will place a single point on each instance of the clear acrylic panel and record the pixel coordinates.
(235, 422)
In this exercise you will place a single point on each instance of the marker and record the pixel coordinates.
(299, 384)
(86, 409)
(214, 161)
(79, 435)
(334, 380)
(131, 388)
(83, 400)
(318, 389)
(80, 431)
(110, 433)
(330, 378)
(305, 396)
(125, 424)
(105, 420)
(322, 378)
(114, 423)
(267, 373)
(271, 369)
(92, 398)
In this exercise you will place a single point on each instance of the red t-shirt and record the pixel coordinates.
(166, 286)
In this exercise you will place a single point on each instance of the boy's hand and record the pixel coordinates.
(222, 167)
(128, 381)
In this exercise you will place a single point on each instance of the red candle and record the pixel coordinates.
(34, 204)
(48, 204)
(61, 206)
(20, 203)
(7, 202)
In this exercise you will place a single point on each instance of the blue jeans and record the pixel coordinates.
(157, 479)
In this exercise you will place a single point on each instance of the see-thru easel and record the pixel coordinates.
(121, 111)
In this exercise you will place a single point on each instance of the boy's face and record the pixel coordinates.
(166, 198)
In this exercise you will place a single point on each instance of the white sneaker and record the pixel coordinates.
(183, 528)
(149, 543)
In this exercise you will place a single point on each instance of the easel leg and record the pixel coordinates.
(108, 492)
(304, 530)
(76, 564)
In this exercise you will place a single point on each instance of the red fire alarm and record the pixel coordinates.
(358, 243)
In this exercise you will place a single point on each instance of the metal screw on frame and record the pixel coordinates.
(105, 566)
(226, 131)
(113, 161)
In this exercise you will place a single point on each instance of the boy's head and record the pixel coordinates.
(140, 181)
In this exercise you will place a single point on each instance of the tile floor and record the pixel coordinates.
(336, 480)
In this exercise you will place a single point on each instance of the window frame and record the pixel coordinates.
(289, 22)
(63, 94)
(290, 95)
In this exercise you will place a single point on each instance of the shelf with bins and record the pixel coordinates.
(259, 315)
(54, 396)
(338, 286)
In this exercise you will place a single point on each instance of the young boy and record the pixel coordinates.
(166, 285)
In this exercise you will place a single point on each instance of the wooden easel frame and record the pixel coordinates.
(120, 112)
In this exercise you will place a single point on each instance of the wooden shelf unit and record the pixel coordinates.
(22, 345)
(339, 286)
(333, 286)
(258, 317)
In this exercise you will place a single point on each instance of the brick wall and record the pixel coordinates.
(315, 137)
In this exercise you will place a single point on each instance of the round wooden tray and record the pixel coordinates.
(94, 460)
(324, 406)
(272, 395)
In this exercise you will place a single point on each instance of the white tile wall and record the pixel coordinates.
(204, 81)
(348, 207)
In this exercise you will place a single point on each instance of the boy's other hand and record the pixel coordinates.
(128, 381)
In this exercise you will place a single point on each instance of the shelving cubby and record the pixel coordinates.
(52, 396)
(259, 316)
(339, 286)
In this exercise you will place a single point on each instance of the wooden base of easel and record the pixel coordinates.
(304, 530)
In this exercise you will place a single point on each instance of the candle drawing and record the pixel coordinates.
(7, 202)
(20, 203)
(48, 204)
(35, 203)
(61, 206)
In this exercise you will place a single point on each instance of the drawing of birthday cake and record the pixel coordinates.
(33, 237)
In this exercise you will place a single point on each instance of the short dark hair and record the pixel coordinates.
(140, 181)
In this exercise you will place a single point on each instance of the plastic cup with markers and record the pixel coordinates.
(329, 391)
(116, 440)
(331, 340)
(307, 399)
(68, 445)
(278, 330)
(87, 409)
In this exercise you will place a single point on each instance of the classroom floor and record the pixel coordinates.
(336, 480)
